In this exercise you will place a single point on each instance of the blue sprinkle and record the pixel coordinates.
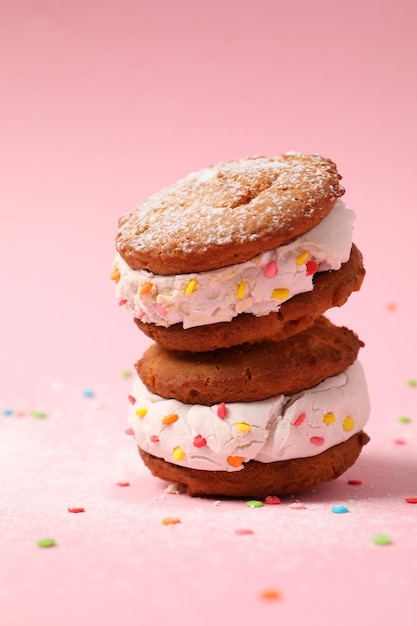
(88, 393)
(7, 412)
(340, 508)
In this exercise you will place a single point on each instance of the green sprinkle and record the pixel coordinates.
(126, 374)
(382, 540)
(412, 382)
(46, 542)
(40, 415)
(254, 504)
(404, 419)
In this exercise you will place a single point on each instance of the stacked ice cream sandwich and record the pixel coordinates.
(248, 391)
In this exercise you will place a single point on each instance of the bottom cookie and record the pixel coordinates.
(259, 480)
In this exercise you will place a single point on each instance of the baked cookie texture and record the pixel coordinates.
(271, 399)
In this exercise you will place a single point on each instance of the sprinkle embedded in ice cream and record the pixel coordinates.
(225, 436)
(258, 286)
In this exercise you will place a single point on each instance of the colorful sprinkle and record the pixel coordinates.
(270, 595)
(348, 423)
(311, 268)
(141, 412)
(254, 504)
(329, 418)
(297, 506)
(221, 410)
(123, 483)
(411, 500)
(126, 374)
(122, 302)
(161, 310)
(115, 275)
(340, 508)
(281, 294)
(400, 442)
(317, 441)
(300, 419)
(169, 521)
(241, 290)
(131, 399)
(302, 258)
(382, 540)
(272, 500)
(199, 441)
(154, 438)
(46, 542)
(129, 431)
(178, 454)
(76, 509)
(146, 287)
(40, 415)
(88, 393)
(170, 419)
(412, 382)
(353, 481)
(243, 531)
(190, 287)
(271, 269)
(243, 427)
(404, 419)
(7, 412)
(235, 461)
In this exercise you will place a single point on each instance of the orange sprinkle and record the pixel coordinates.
(171, 520)
(145, 288)
(170, 419)
(235, 461)
(115, 275)
(270, 594)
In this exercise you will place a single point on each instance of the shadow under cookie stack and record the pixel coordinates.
(248, 390)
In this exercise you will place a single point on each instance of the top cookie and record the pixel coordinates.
(228, 213)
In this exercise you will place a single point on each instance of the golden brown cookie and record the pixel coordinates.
(259, 480)
(295, 315)
(250, 372)
(228, 213)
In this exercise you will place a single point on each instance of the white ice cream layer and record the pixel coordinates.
(224, 437)
(258, 286)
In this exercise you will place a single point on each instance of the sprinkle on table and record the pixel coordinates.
(171, 521)
(272, 500)
(126, 374)
(270, 595)
(340, 508)
(411, 500)
(76, 509)
(40, 415)
(46, 542)
(411, 382)
(123, 483)
(400, 442)
(129, 431)
(88, 393)
(403, 419)
(354, 481)
(6, 412)
(254, 504)
(243, 531)
(382, 540)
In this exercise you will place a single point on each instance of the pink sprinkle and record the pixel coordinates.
(400, 442)
(272, 500)
(76, 509)
(122, 302)
(311, 268)
(317, 441)
(129, 431)
(300, 419)
(160, 309)
(297, 506)
(271, 269)
(140, 314)
(354, 482)
(221, 410)
(243, 531)
(131, 399)
(411, 500)
(199, 441)
(155, 439)
(122, 483)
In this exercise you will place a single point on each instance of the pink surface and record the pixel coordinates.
(102, 104)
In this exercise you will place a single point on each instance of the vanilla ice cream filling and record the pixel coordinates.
(258, 286)
(227, 435)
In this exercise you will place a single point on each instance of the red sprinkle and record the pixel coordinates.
(199, 441)
(311, 268)
(352, 481)
(221, 410)
(122, 302)
(400, 442)
(300, 419)
(76, 509)
(317, 441)
(123, 484)
(272, 500)
(243, 531)
(411, 500)
(131, 399)
(154, 438)
(129, 431)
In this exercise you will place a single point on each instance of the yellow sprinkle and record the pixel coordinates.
(145, 288)
(329, 418)
(141, 412)
(115, 275)
(170, 419)
(178, 454)
(245, 428)
(235, 461)
(190, 287)
(241, 290)
(302, 258)
(348, 423)
(280, 294)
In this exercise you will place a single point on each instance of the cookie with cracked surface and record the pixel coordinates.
(250, 372)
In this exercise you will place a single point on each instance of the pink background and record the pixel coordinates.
(102, 104)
